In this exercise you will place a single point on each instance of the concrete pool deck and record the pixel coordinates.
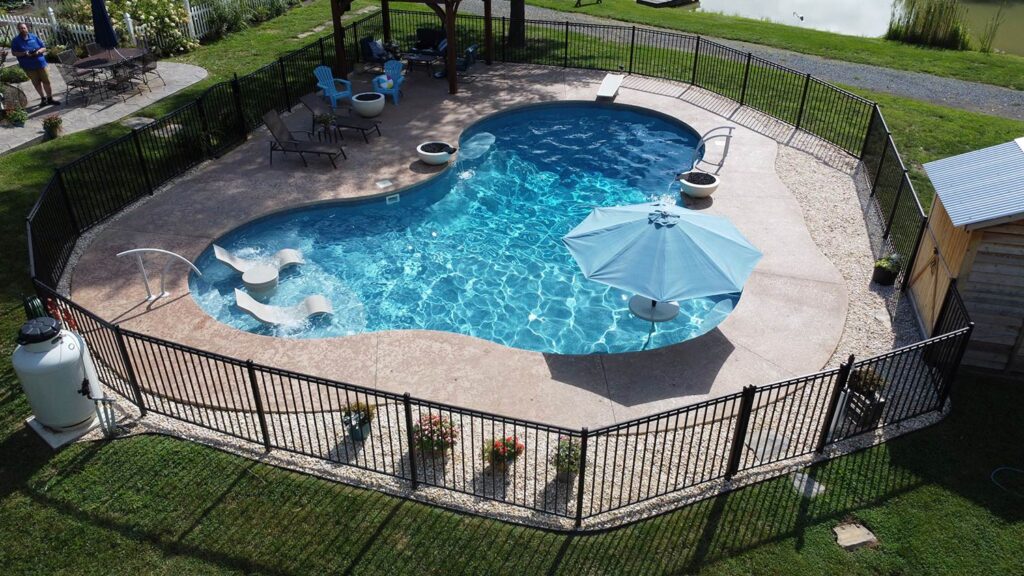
(788, 323)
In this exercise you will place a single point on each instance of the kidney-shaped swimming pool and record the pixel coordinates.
(477, 250)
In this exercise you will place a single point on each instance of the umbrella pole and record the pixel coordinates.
(649, 334)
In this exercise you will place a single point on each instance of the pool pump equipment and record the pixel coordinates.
(60, 380)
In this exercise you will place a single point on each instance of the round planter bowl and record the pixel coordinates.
(884, 277)
(368, 104)
(433, 158)
(698, 190)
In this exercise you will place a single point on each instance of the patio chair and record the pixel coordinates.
(145, 66)
(393, 75)
(310, 307)
(285, 142)
(326, 81)
(93, 49)
(282, 259)
(463, 63)
(430, 41)
(317, 107)
(373, 53)
(85, 83)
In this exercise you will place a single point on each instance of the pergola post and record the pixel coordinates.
(341, 62)
(450, 8)
(385, 19)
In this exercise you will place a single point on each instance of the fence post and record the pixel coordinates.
(565, 49)
(803, 100)
(746, 76)
(409, 438)
(909, 269)
(284, 84)
(833, 404)
(581, 480)
(632, 48)
(133, 381)
(965, 339)
(881, 162)
(191, 21)
(130, 27)
(696, 54)
(142, 160)
(895, 205)
(67, 204)
(867, 136)
(323, 54)
(236, 92)
(355, 35)
(504, 41)
(743, 421)
(258, 400)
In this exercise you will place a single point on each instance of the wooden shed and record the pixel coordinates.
(976, 237)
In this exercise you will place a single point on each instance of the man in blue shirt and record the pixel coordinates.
(31, 53)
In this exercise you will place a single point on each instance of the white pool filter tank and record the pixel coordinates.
(54, 368)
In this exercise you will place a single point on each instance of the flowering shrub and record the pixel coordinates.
(225, 17)
(164, 22)
(435, 434)
(567, 455)
(503, 450)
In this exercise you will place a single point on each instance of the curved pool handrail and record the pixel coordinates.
(138, 252)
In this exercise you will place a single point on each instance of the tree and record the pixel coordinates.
(517, 23)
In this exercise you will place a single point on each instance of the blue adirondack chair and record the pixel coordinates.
(392, 72)
(326, 81)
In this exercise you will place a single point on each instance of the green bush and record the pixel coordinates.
(13, 75)
(225, 17)
(163, 19)
(18, 116)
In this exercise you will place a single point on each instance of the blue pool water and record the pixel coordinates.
(477, 250)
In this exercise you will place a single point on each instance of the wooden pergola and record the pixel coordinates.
(446, 10)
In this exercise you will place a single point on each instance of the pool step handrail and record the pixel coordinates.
(171, 258)
(703, 143)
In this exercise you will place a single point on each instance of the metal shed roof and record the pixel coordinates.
(981, 188)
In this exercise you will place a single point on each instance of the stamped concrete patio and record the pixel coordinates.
(80, 115)
(788, 323)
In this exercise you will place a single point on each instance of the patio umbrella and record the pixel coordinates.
(662, 253)
(102, 27)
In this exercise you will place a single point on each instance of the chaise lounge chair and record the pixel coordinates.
(281, 259)
(318, 107)
(285, 142)
(310, 307)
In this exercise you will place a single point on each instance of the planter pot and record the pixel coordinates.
(51, 134)
(359, 432)
(368, 104)
(434, 153)
(863, 411)
(565, 477)
(884, 277)
(704, 184)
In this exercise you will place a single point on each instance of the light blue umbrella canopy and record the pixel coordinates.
(662, 251)
(103, 29)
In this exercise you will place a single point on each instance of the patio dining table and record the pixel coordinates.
(110, 58)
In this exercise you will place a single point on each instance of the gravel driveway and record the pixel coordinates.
(950, 92)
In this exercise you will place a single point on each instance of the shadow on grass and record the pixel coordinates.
(238, 515)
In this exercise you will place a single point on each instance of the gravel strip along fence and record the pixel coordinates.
(951, 92)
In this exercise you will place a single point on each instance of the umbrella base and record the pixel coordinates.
(660, 312)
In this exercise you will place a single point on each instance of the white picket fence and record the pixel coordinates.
(51, 30)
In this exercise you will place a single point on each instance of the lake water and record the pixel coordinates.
(865, 17)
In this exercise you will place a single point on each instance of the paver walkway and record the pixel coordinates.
(79, 115)
(950, 92)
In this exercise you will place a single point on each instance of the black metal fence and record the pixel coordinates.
(573, 474)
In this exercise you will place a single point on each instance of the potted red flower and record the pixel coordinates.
(435, 435)
(499, 452)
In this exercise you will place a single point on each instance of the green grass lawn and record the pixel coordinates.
(157, 505)
(998, 69)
